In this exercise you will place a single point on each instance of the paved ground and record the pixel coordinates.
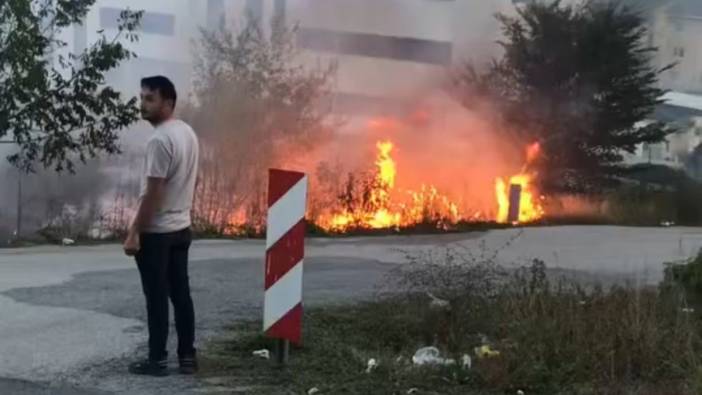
(72, 317)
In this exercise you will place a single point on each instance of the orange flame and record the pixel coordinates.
(533, 152)
(390, 209)
(529, 208)
(386, 165)
(384, 198)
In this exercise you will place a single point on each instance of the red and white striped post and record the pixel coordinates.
(285, 250)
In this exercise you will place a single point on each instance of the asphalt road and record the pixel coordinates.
(73, 317)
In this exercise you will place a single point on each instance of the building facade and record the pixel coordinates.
(676, 32)
(675, 28)
(388, 52)
(167, 30)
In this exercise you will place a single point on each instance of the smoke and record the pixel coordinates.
(47, 199)
(437, 141)
(72, 204)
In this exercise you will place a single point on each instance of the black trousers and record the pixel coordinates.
(163, 266)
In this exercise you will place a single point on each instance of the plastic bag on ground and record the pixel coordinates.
(430, 356)
(265, 354)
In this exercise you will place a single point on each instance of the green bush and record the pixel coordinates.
(654, 194)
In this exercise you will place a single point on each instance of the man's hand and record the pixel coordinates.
(131, 244)
(148, 205)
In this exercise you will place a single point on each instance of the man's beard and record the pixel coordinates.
(148, 117)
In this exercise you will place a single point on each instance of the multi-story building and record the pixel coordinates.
(388, 52)
(676, 29)
(165, 39)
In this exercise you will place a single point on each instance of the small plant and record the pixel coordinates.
(687, 277)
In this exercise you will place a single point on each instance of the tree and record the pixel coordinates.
(579, 81)
(56, 107)
(255, 107)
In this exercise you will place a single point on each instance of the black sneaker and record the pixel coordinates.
(150, 367)
(188, 365)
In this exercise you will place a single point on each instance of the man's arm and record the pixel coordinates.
(149, 204)
(158, 161)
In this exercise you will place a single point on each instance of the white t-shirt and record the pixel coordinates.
(172, 153)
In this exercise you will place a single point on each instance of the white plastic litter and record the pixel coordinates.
(437, 302)
(372, 364)
(66, 241)
(466, 361)
(265, 354)
(313, 391)
(520, 392)
(412, 391)
(430, 356)
(688, 310)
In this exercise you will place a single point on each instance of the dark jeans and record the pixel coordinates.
(163, 266)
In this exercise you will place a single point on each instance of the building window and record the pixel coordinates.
(151, 22)
(376, 46)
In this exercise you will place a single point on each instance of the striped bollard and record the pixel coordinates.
(285, 249)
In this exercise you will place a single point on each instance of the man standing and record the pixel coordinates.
(159, 237)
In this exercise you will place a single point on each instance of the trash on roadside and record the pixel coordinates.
(265, 354)
(688, 310)
(437, 302)
(66, 241)
(430, 356)
(667, 224)
(313, 391)
(486, 351)
(372, 364)
(412, 391)
(520, 392)
(466, 361)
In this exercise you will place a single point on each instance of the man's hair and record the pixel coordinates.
(163, 85)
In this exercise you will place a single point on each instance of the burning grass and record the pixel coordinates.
(372, 202)
(446, 167)
(545, 335)
(380, 205)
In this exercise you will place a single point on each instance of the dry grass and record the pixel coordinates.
(554, 336)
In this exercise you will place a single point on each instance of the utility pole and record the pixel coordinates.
(18, 225)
